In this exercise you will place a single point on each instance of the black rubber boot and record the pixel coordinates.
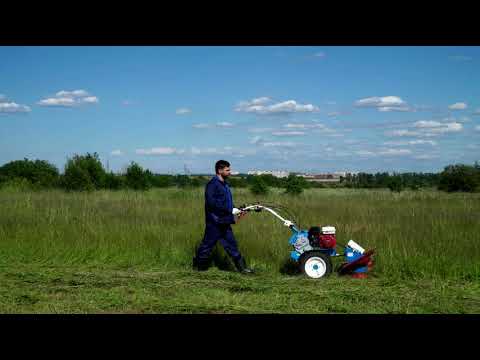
(200, 264)
(242, 266)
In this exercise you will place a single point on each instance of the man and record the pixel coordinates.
(219, 215)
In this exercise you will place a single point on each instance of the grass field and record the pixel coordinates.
(131, 252)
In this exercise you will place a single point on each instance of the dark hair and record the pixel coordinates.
(221, 164)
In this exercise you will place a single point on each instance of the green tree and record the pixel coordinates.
(395, 184)
(459, 177)
(84, 173)
(136, 178)
(295, 185)
(39, 173)
(258, 186)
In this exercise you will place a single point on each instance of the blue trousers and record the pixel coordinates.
(214, 233)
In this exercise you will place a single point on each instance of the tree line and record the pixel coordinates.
(86, 173)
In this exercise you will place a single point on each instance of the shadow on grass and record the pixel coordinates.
(289, 267)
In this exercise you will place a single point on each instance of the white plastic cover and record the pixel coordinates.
(328, 230)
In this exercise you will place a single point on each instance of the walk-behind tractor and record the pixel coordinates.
(314, 248)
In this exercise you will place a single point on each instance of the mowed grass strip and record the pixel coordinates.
(427, 243)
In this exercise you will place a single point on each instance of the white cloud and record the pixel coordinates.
(319, 55)
(69, 99)
(288, 133)
(411, 142)
(159, 151)
(477, 127)
(448, 127)
(385, 103)
(116, 153)
(225, 124)
(424, 157)
(458, 106)
(201, 126)
(12, 108)
(183, 111)
(428, 129)
(263, 106)
(72, 94)
(287, 144)
(259, 130)
(365, 153)
(395, 152)
(256, 140)
(427, 124)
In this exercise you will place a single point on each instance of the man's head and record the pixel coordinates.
(222, 167)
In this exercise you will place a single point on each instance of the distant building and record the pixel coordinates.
(278, 174)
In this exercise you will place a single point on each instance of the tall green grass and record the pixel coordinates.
(417, 234)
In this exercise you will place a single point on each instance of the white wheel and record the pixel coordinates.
(315, 267)
(316, 264)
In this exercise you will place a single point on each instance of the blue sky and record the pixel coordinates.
(310, 109)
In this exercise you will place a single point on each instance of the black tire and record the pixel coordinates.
(315, 254)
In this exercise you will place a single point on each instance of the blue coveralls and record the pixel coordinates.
(218, 220)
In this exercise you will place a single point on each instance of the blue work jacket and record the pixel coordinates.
(218, 202)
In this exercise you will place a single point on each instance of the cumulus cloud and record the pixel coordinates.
(365, 153)
(411, 142)
(256, 140)
(286, 144)
(183, 111)
(288, 133)
(69, 99)
(458, 106)
(424, 157)
(116, 153)
(427, 124)
(159, 151)
(385, 103)
(10, 107)
(394, 152)
(201, 126)
(259, 130)
(265, 106)
(223, 124)
(428, 129)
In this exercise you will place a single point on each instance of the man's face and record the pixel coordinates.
(225, 172)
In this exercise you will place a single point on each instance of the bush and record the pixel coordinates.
(295, 185)
(258, 186)
(84, 173)
(460, 178)
(39, 173)
(137, 178)
(114, 182)
(162, 180)
(395, 184)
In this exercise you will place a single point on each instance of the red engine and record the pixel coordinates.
(322, 237)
